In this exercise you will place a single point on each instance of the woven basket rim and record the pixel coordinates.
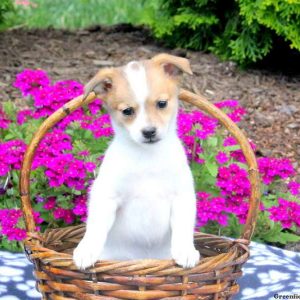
(237, 253)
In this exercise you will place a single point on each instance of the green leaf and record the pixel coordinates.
(10, 110)
(213, 141)
(285, 237)
(232, 148)
(212, 167)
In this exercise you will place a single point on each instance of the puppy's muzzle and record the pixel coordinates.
(149, 132)
(150, 135)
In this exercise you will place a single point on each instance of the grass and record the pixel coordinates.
(73, 14)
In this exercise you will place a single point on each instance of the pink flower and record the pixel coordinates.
(294, 188)
(80, 207)
(31, 81)
(235, 187)
(222, 158)
(210, 209)
(4, 168)
(11, 155)
(50, 98)
(23, 115)
(25, 3)
(66, 169)
(9, 223)
(53, 144)
(227, 104)
(232, 108)
(50, 203)
(233, 181)
(287, 213)
(90, 166)
(95, 106)
(65, 214)
(14, 234)
(100, 127)
(193, 127)
(272, 168)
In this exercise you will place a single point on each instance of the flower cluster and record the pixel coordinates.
(233, 182)
(100, 127)
(294, 188)
(95, 106)
(192, 127)
(29, 82)
(235, 187)
(287, 213)
(66, 169)
(68, 161)
(9, 222)
(50, 98)
(23, 116)
(68, 216)
(9, 219)
(11, 155)
(64, 214)
(80, 207)
(52, 146)
(210, 209)
(222, 158)
(272, 168)
(233, 109)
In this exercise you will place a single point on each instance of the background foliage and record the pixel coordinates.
(5, 6)
(73, 14)
(244, 31)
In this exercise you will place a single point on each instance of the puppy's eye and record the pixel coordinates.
(128, 111)
(162, 104)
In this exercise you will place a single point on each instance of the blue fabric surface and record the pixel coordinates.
(269, 273)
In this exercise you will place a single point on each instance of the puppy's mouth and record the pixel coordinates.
(151, 140)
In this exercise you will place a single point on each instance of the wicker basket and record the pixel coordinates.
(213, 278)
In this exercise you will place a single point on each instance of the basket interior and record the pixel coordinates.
(64, 240)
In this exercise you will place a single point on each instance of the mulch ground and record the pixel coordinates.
(272, 100)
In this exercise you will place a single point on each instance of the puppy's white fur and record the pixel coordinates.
(142, 203)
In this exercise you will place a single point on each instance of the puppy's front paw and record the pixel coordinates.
(85, 255)
(187, 257)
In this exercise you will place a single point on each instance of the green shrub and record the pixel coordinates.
(5, 6)
(243, 30)
(73, 14)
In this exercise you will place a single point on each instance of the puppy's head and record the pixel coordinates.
(141, 96)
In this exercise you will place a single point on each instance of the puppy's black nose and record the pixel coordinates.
(149, 132)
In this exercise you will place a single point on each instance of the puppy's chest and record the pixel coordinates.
(146, 207)
(144, 185)
(148, 195)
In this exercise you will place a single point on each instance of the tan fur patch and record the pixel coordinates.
(119, 98)
(161, 87)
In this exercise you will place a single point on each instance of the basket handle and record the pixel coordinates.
(184, 95)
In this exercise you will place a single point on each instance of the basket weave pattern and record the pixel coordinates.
(213, 278)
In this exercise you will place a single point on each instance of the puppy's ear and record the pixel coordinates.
(172, 65)
(101, 83)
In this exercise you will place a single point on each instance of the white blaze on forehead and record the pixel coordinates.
(136, 76)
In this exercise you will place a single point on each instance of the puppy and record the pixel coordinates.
(142, 203)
